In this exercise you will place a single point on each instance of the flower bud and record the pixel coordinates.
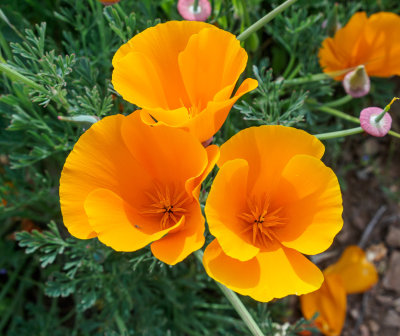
(356, 83)
(188, 12)
(372, 125)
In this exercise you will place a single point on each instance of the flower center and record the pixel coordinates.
(261, 221)
(167, 205)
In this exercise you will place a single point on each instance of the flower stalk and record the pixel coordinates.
(339, 134)
(236, 303)
(195, 5)
(385, 110)
(260, 23)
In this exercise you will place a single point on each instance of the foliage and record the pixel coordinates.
(55, 60)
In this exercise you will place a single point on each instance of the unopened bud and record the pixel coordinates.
(356, 83)
(188, 12)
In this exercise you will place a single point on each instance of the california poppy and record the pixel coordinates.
(128, 186)
(372, 42)
(329, 302)
(182, 74)
(272, 200)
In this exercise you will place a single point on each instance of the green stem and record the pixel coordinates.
(16, 76)
(339, 102)
(195, 5)
(339, 134)
(307, 79)
(236, 303)
(260, 23)
(289, 66)
(345, 116)
(294, 72)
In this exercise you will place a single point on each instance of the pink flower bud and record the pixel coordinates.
(369, 123)
(356, 83)
(186, 9)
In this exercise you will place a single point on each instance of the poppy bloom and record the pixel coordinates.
(329, 302)
(182, 74)
(372, 42)
(130, 184)
(202, 12)
(272, 200)
(357, 273)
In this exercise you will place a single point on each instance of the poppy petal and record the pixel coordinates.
(226, 200)
(357, 273)
(117, 224)
(268, 149)
(240, 276)
(177, 245)
(329, 302)
(310, 194)
(98, 160)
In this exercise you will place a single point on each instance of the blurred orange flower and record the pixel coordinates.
(272, 200)
(329, 302)
(357, 273)
(182, 73)
(128, 186)
(372, 42)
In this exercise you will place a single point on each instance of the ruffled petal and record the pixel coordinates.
(212, 60)
(240, 276)
(166, 162)
(99, 160)
(178, 244)
(172, 38)
(225, 202)
(357, 273)
(117, 224)
(330, 303)
(309, 193)
(268, 149)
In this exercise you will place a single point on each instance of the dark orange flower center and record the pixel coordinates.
(167, 205)
(261, 221)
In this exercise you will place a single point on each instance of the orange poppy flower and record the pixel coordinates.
(329, 302)
(372, 42)
(357, 273)
(272, 200)
(182, 74)
(128, 186)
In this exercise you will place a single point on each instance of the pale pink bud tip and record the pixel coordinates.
(368, 121)
(356, 83)
(186, 9)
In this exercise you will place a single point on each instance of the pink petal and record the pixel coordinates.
(369, 125)
(185, 8)
(356, 83)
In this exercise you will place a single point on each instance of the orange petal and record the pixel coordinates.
(172, 38)
(330, 303)
(269, 275)
(210, 120)
(177, 245)
(240, 276)
(99, 160)
(117, 224)
(285, 272)
(309, 193)
(357, 273)
(212, 60)
(226, 200)
(176, 155)
(268, 149)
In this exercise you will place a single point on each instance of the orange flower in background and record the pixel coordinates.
(372, 42)
(329, 302)
(130, 184)
(272, 200)
(357, 273)
(182, 74)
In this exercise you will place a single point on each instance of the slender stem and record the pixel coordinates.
(339, 102)
(236, 303)
(307, 79)
(260, 23)
(289, 66)
(345, 116)
(295, 71)
(16, 76)
(339, 134)
(195, 5)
